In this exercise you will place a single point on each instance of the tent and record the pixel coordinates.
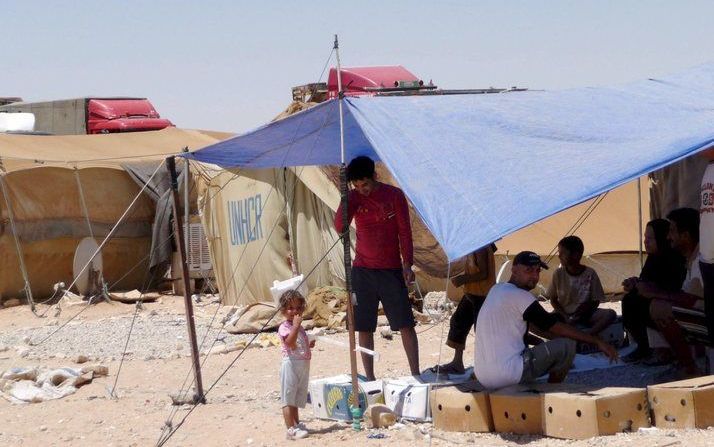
(261, 224)
(46, 178)
(478, 168)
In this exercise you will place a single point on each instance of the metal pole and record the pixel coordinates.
(18, 247)
(346, 237)
(186, 223)
(639, 221)
(171, 166)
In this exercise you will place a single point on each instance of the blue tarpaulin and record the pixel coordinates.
(478, 167)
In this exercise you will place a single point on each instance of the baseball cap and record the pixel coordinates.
(529, 258)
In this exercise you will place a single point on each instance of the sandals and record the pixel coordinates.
(445, 369)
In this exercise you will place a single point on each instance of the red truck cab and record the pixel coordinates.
(358, 81)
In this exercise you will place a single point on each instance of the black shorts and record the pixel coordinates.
(463, 319)
(386, 285)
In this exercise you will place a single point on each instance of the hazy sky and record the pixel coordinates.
(230, 65)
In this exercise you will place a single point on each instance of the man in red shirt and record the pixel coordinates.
(383, 261)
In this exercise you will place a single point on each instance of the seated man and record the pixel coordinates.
(575, 290)
(501, 357)
(684, 237)
(478, 277)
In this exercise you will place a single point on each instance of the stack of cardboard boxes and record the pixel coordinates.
(557, 410)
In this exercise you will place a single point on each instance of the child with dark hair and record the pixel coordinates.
(576, 291)
(295, 368)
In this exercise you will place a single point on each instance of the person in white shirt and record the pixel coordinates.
(706, 240)
(501, 357)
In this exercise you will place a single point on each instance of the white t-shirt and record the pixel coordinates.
(693, 281)
(500, 328)
(706, 224)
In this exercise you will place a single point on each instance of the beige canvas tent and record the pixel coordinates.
(45, 179)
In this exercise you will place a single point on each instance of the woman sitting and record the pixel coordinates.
(663, 267)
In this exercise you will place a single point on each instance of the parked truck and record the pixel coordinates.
(387, 80)
(91, 115)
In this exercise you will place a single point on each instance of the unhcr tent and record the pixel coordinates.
(255, 220)
(55, 185)
(474, 166)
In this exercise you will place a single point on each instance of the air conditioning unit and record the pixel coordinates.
(198, 259)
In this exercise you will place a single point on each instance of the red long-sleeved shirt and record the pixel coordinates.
(383, 228)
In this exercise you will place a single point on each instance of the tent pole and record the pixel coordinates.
(288, 208)
(18, 247)
(83, 202)
(186, 210)
(199, 397)
(354, 397)
(639, 222)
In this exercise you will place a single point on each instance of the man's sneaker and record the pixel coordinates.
(301, 426)
(296, 433)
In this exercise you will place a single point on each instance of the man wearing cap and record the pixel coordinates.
(501, 356)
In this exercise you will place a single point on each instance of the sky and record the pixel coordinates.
(230, 65)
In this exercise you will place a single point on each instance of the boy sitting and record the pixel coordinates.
(575, 290)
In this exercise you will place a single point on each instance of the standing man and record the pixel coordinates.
(501, 357)
(478, 278)
(383, 261)
(706, 240)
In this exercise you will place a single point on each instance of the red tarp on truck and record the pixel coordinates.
(365, 80)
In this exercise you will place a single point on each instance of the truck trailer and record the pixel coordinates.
(91, 115)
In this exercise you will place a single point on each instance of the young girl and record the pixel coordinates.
(295, 368)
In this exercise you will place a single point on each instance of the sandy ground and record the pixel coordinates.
(243, 406)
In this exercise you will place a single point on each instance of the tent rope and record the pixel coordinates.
(106, 239)
(441, 337)
(291, 200)
(165, 436)
(578, 223)
(83, 202)
(20, 255)
(137, 307)
(85, 307)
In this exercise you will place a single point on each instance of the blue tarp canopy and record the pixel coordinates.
(478, 167)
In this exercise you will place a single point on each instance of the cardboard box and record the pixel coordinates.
(605, 411)
(461, 408)
(330, 396)
(519, 408)
(683, 404)
(408, 398)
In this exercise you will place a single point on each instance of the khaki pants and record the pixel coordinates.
(554, 356)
